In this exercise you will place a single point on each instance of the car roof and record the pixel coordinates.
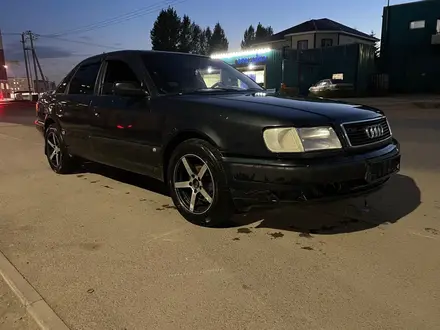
(140, 52)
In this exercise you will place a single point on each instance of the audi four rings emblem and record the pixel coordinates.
(374, 131)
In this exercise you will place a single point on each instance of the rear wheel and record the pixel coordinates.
(198, 184)
(56, 152)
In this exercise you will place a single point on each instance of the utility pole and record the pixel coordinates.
(30, 71)
(31, 39)
(41, 72)
(23, 41)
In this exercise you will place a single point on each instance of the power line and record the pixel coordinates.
(10, 34)
(120, 18)
(78, 42)
(71, 55)
(106, 21)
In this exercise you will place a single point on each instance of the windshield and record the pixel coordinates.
(178, 73)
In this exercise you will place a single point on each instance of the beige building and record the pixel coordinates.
(316, 33)
(20, 84)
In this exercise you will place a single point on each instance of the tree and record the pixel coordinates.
(205, 41)
(171, 33)
(262, 33)
(196, 36)
(218, 42)
(252, 36)
(248, 37)
(200, 40)
(186, 35)
(376, 46)
(165, 34)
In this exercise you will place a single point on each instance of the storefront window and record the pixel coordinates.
(256, 75)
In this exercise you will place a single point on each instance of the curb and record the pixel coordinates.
(35, 305)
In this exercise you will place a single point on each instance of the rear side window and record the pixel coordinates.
(84, 80)
(61, 89)
(118, 71)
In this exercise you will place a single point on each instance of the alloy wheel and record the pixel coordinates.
(194, 184)
(53, 150)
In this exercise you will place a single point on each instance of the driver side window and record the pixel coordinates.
(211, 77)
(118, 71)
(216, 78)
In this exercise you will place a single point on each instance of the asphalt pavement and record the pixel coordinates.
(107, 250)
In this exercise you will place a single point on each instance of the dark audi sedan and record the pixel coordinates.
(218, 140)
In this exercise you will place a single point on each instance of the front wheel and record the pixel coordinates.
(198, 184)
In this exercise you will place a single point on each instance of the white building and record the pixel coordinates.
(316, 33)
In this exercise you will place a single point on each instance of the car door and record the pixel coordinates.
(123, 125)
(73, 109)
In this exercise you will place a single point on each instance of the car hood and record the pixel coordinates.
(333, 110)
(284, 106)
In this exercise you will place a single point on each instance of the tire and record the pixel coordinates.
(212, 204)
(60, 162)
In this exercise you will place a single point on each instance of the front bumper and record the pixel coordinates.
(260, 182)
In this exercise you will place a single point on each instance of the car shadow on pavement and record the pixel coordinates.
(398, 198)
(130, 178)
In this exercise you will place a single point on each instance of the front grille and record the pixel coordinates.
(367, 132)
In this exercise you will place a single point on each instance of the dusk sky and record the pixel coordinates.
(80, 18)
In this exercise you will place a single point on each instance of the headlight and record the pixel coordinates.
(290, 139)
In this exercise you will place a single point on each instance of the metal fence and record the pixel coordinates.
(301, 69)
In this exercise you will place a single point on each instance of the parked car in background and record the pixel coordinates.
(327, 87)
(218, 140)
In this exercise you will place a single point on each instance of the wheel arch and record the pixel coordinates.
(49, 121)
(180, 137)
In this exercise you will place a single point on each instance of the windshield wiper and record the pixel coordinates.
(207, 90)
(221, 89)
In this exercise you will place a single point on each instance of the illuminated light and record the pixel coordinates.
(251, 66)
(129, 126)
(119, 126)
(243, 53)
(5, 66)
(209, 69)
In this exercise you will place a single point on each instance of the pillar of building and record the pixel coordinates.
(4, 88)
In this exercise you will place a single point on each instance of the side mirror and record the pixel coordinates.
(128, 89)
